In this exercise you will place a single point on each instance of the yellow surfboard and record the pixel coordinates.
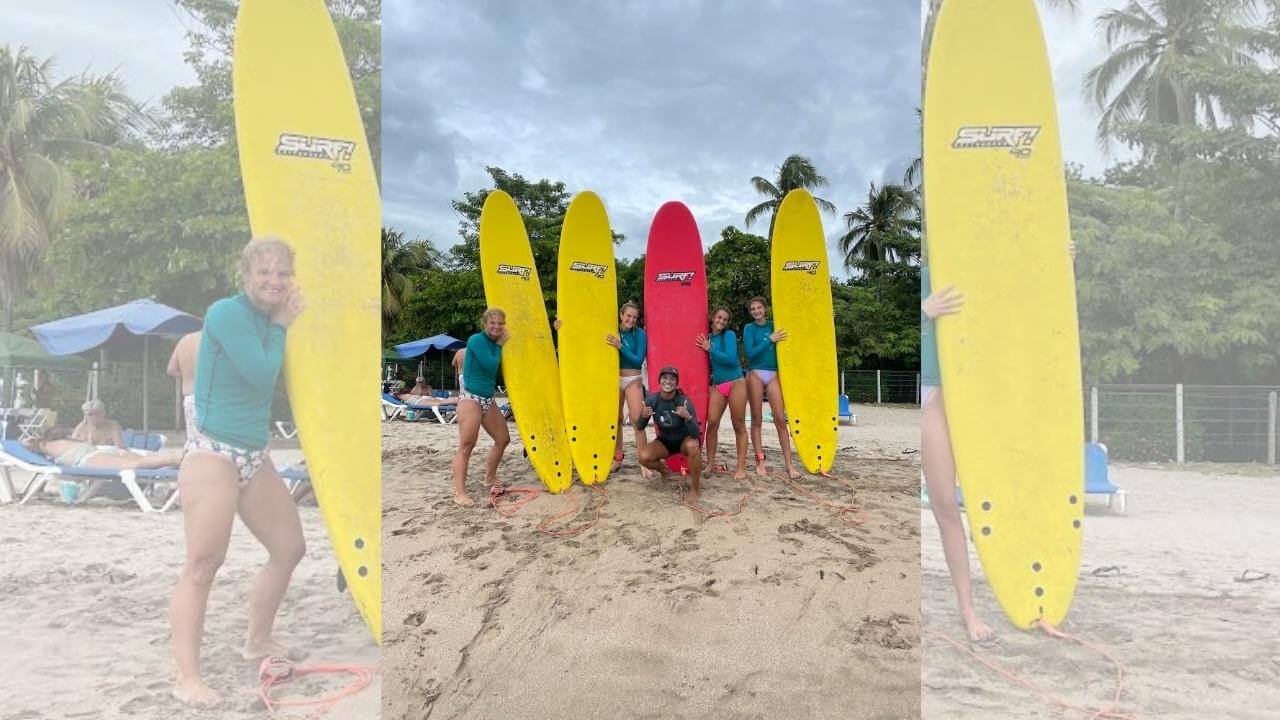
(587, 301)
(309, 178)
(801, 286)
(997, 226)
(528, 358)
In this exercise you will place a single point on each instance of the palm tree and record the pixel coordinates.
(1151, 42)
(43, 126)
(876, 229)
(794, 173)
(402, 261)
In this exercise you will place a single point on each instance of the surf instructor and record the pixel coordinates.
(678, 431)
(476, 407)
(227, 471)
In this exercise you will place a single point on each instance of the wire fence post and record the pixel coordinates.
(1271, 428)
(1093, 414)
(842, 383)
(918, 398)
(1181, 435)
(877, 387)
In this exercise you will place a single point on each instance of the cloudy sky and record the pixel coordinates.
(142, 40)
(643, 102)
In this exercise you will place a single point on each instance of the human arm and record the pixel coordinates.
(690, 416)
(754, 341)
(726, 350)
(943, 302)
(257, 362)
(634, 356)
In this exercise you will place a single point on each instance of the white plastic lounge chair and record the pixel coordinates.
(15, 456)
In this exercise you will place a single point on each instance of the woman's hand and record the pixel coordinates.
(557, 324)
(702, 342)
(943, 302)
(613, 340)
(778, 336)
(289, 309)
(504, 337)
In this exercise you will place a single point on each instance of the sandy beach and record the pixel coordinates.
(656, 612)
(1158, 588)
(84, 598)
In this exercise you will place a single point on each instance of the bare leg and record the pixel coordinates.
(635, 405)
(940, 477)
(210, 491)
(495, 423)
(468, 432)
(779, 410)
(653, 456)
(693, 453)
(269, 513)
(617, 436)
(755, 396)
(715, 410)
(738, 415)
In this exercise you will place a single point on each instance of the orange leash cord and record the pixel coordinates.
(507, 509)
(1108, 712)
(542, 526)
(276, 671)
(752, 489)
(850, 514)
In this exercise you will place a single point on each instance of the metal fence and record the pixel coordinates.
(881, 386)
(1184, 423)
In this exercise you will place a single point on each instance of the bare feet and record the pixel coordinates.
(740, 473)
(645, 472)
(256, 650)
(692, 496)
(761, 470)
(195, 692)
(617, 464)
(464, 500)
(793, 473)
(978, 630)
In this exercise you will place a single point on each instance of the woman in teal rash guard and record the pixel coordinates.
(227, 471)
(759, 341)
(476, 406)
(727, 389)
(632, 346)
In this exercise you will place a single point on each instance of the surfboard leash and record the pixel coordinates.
(850, 514)
(1108, 712)
(752, 489)
(276, 671)
(527, 494)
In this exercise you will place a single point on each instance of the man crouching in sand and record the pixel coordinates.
(678, 432)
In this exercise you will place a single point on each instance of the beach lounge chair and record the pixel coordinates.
(392, 407)
(845, 412)
(1097, 476)
(150, 442)
(31, 425)
(286, 429)
(297, 480)
(15, 456)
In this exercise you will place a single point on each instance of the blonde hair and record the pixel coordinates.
(492, 312)
(260, 246)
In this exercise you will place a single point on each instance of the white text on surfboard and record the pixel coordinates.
(338, 152)
(593, 268)
(1019, 138)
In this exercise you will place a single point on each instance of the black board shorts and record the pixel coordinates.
(673, 446)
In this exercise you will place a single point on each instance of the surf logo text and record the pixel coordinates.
(1017, 138)
(809, 266)
(593, 268)
(684, 277)
(519, 271)
(337, 152)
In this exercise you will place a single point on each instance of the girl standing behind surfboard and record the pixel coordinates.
(632, 346)
(938, 460)
(728, 388)
(759, 340)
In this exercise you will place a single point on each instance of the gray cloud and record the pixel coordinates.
(142, 40)
(643, 102)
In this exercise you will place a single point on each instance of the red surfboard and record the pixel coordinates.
(675, 303)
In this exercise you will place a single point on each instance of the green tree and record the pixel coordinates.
(403, 264)
(201, 115)
(877, 228)
(44, 125)
(795, 173)
(737, 270)
(1151, 43)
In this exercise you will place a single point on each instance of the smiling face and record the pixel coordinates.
(268, 279)
(719, 321)
(757, 310)
(628, 317)
(668, 383)
(494, 324)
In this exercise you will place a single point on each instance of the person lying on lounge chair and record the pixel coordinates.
(419, 400)
(63, 450)
(96, 428)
